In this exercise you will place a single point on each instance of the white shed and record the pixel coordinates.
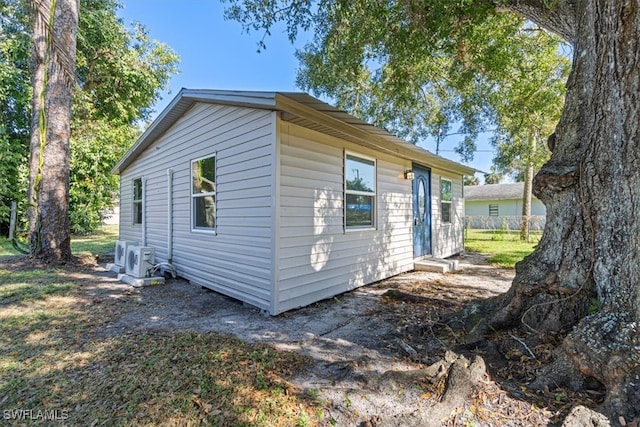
(280, 200)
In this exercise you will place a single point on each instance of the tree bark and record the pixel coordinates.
(54, 39)
(584, 275)
(528, 191)
(558, 15)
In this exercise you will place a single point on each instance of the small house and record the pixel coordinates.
(495, 206)
(280, 200)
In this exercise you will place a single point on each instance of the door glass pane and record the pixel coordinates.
(422, 198)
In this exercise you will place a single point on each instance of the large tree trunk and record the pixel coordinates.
(54, 37)
(585, 274)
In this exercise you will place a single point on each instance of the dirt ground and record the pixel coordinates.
(369, 346)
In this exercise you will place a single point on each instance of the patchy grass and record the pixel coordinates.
(100, 243)
(505, 246)
(5, 248)
(57, 355)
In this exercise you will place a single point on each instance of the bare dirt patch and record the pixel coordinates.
(381, 354)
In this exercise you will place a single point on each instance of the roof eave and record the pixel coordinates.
(397, 147)
(356, 131)
(180, 104)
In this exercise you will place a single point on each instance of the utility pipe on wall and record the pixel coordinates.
(169, 216)
(144, 211)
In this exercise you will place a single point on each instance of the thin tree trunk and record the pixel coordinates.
(528, 192)
(54, 38)
(585, 274)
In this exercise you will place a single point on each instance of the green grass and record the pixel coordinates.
(102, 242)
(505, 247)
(58, 353)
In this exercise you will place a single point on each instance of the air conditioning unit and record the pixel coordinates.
(121, 251)
(140, 260)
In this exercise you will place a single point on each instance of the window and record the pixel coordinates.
(494, 210)
(203, 193)
(445, 200)
(137, 201)
(360, 191)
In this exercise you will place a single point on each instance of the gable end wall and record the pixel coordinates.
(237, 260)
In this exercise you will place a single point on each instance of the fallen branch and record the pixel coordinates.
(524, 345)
(410, 351)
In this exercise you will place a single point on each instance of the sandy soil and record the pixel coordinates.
(369, 346)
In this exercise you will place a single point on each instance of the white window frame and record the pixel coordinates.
(135, 202)
(373, 195)
(194, 196)
(443, 202)
(494, 209)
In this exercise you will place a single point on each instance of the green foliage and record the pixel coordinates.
(471, 180)
(121, 71)
(97, 146)
(420, 69)
(15, 98)
(120, 74)
(492, 177)
(595, 306)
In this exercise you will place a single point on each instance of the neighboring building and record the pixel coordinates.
(497, 206)
(280, 200)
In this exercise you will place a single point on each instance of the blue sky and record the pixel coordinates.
(217, 54)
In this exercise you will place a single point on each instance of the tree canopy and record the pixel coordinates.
(456, 68)
(120, 74)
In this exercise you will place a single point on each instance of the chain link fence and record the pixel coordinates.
(504, 223)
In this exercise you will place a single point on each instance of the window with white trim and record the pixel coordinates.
(203, 193)
(494, 210)
(137, 201)
(446, 198)
(360, 191)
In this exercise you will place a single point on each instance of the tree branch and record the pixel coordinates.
(558, 16)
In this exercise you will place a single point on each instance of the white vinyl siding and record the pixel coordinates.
(238, 260)
(317, 259)
(447, 238)
(280, 240)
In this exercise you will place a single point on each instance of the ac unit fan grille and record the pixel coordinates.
(120, 252)
(133, 259)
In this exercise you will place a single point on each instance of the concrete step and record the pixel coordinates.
(436, 265)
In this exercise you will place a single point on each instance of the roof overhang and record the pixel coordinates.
(297, 108)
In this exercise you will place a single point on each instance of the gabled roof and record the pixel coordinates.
(297, 108)
(494, 191)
